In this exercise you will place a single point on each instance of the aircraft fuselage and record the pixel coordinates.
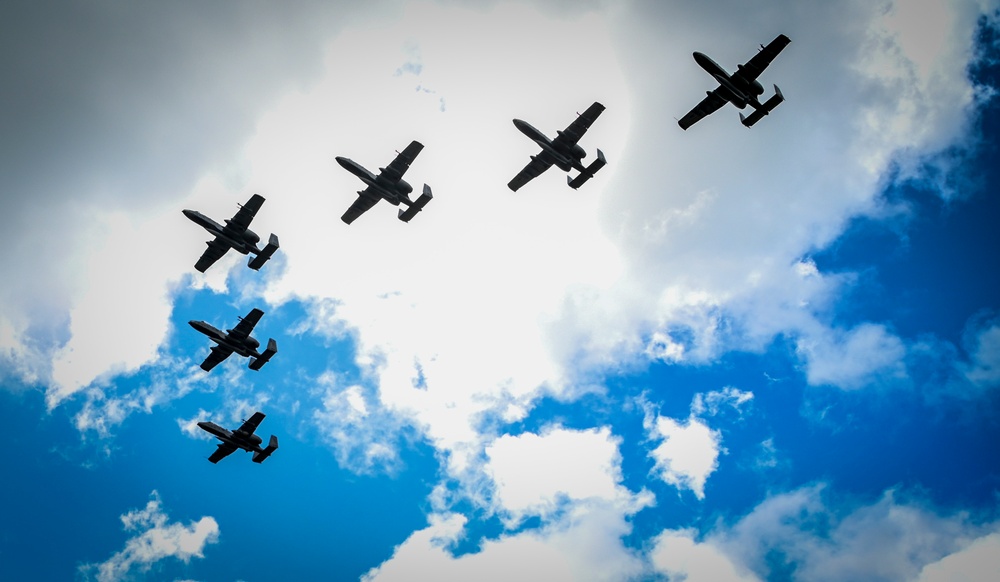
(392, 192)
(732, 88)
(242, 243)
(246, 348)
(247, 442)
(564, 160)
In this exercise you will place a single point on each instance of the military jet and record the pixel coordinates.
(235, 235)
(241, 438)
(236, 340)
(562, 151)
(388, 185)
(741, 88)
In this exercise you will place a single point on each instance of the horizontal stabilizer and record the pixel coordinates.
(764, 109)
(417, 206)
(262, 257)
(271, 447)
(588, 172)
(272, 348)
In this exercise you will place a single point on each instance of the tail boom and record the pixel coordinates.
(272, 245)
(417, 206)
(258, 457)
(272, 348)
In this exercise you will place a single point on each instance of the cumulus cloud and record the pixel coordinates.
(979, 561)
(363, 434)
(688, 450)
(677, 554)
(537, 474)
(804, 534)
(110, 127)
(983, 339)
(584, 544)
(571, 480)
(853, 359)
(155, 538)
(688, 454)
(448, 312)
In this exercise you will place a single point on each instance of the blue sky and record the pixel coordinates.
(766, 354)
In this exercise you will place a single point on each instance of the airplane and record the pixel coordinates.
(388, 185)
(562, 151)
(741, 88)
(241, 438)
(235, 235)
(236, 340)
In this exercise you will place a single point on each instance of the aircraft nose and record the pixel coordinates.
(701, 59)
(188, 213)
(523, 126)
(343, 161)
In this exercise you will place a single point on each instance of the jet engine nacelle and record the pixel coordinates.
(578, 152)
(754, 87)
(251, 237)
(404, 187)
(253, 343)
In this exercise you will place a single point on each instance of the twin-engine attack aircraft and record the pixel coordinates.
(389, 184)
(235, 235)
(741, 88)
(562, 151)
(236, 340)
(241, 438)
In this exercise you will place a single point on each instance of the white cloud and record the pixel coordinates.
(688, 454)
(977, 562)
(535, 473)
(584, 544)
(363, 434)
(155, 539)
(450, 311)
(983, 368)
(112, 125)
(852, 359)
(170, 379)
(678, 555)
(661, 245)
(801, 531)
(711, 403)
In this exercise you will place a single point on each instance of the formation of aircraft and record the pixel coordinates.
(235, 235)
(236, 340)
(241, 438)
(563, 151)
(741, 88)
(389, 185)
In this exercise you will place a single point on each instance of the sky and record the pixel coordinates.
(734, 354)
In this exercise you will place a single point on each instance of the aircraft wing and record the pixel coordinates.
(251, 424)
(246, 212)
(755, 66)
(566, 139)
(216, 357)
(245, 326)
(223, 451)
(364, 202)
(395, 170)
(535, 167)
(710, 104)
(214, 252)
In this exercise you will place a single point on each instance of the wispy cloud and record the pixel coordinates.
(155, 538)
